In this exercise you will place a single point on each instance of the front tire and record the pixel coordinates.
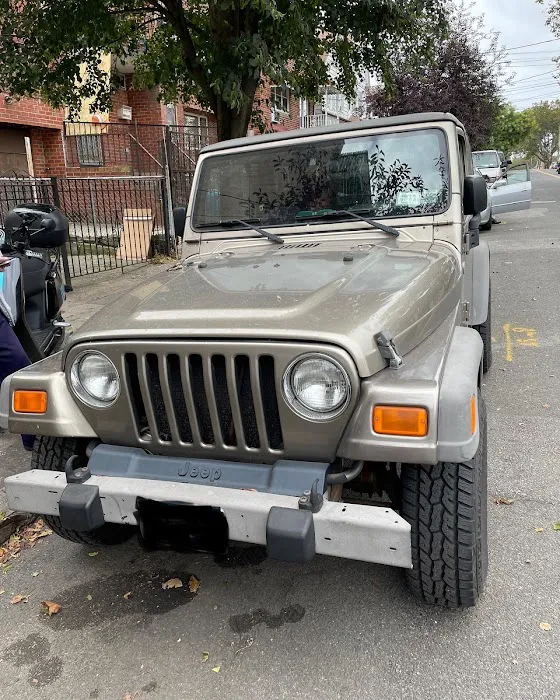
(52, 454)
(446, 506)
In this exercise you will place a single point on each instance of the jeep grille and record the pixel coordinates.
(226, 400)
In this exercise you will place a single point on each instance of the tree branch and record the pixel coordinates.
(178, 19)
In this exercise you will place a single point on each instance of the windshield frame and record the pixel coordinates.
(306, 225)
(487, 167)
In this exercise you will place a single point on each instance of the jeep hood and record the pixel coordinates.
(324, 292)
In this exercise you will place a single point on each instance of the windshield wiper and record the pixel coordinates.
(244, 223)
(338, 213)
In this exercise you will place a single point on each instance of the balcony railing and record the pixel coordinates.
(311, 121)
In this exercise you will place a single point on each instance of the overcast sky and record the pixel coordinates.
(522, 22)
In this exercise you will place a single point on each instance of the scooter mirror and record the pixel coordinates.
(48, 224)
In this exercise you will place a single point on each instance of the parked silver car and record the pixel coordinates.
(511, 192)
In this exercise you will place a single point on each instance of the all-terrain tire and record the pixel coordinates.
(485, 331)
(446, 506)
(52, 454)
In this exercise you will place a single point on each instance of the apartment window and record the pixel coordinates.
(280, 98)
(171, 114)
(89, 149)
(197, 128)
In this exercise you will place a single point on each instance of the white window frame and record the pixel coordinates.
(280, 99)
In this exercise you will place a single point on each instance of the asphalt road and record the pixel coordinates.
(334, 628)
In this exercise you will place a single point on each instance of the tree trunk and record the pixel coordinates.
(233, 123)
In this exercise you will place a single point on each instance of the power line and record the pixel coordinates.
(521, 90)
(539, 98)
(538, 43)
(521, 80)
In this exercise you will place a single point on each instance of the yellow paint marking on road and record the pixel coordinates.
(509, 352)
(523, 337)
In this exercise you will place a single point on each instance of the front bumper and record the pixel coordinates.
(352, 531)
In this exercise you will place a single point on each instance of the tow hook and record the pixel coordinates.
(80, 506)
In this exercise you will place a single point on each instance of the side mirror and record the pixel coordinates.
(475, 196)
(179, 221)
(509, 161)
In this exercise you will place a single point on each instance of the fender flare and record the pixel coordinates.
(460, 382)
(478, 313)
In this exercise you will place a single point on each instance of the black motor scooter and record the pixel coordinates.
(34, 234)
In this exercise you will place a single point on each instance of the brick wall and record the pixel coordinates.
(29, 112)
(285, 122)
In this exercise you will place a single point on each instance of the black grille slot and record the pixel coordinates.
(138, 408)
(156, 395)
(199, 398)
(270, 402)
(178, 398)
(245, 398)
(223, 404)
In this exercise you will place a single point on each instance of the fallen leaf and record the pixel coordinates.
(194, 584)
(205, 656)
(92, 554)
(216, 669)
(556, 526)
(127, 596)
(2, 591)
(51, 607)
(35, 573)
(538, 529)
(502, 501)
(545, 626)
(19, 599)
(128, 696)
(88, 597)
(172, 583)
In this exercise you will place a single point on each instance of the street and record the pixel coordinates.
(331, 629)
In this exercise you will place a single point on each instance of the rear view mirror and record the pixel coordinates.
(475, 196)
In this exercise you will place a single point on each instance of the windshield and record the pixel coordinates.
(395, 174)
(486, 159)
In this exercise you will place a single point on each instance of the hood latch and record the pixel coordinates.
(388, 349)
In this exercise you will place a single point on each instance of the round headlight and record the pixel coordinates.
(95, 379)
(317, 387)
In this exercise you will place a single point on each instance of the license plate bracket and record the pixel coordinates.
(182, 527)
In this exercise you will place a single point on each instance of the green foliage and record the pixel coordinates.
(463, 79)
(542, 141)
(216, 51)
(511, 130)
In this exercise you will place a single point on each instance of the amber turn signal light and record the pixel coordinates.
(400, 420)
(30, 401)
(473, 414)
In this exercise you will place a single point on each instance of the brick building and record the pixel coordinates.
(24, 123)
(130, 139)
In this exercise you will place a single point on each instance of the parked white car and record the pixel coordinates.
(511, 192)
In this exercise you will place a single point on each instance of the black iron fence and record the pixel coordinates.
(122, 183)
(114, 221)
